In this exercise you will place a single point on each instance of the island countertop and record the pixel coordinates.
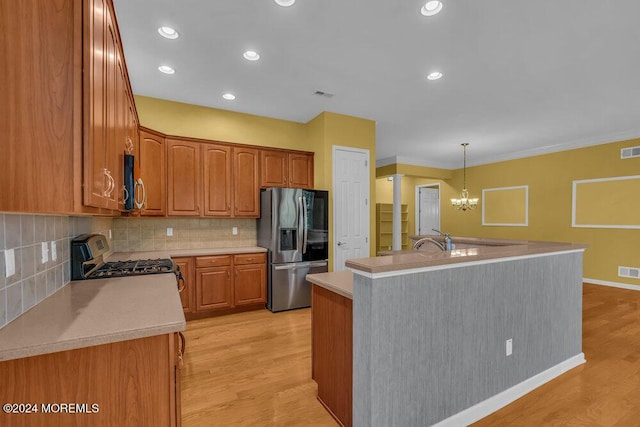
(93, 312)
(486, 249)
(340, 282)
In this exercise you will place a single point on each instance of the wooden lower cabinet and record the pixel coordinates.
(249, 279)
(187, 292)
(223, 283)
(213, 288)
(133, 383)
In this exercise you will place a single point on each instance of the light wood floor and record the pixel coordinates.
(251, 369)
(254, 369)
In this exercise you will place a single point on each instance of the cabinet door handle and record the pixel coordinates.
(228, 275)
(110, 183)
(140, 184)
(125, 194)
(182, 349)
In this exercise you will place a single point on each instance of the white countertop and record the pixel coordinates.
(93, 312)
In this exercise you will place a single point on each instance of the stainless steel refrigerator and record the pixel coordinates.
(294, 227)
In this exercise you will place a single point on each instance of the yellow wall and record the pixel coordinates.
(549, 178)
(318, 135)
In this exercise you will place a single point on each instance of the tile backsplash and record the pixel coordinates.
(145, 234)
(33, 280)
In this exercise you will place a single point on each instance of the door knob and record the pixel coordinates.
(342, 243)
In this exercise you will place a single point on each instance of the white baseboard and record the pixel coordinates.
(500, 400)
(612, 284)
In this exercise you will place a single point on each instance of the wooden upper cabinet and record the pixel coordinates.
(300, 170)
(273, 168)
(96, 180)
(151, 163)
(217, 180)
(279, 168)
(183, 178)
(246, 194)
(62, 107)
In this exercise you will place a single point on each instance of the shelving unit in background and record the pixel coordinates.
(384, 226)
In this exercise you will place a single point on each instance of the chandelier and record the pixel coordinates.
(464, 202)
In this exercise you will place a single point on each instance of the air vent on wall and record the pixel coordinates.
(633, 273)
(321, 93)
(627, 153)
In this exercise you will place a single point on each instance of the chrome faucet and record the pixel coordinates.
(419, 243)
(448, 244)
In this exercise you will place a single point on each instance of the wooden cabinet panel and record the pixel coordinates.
(281, 168)
(213, 261)
(183, 178)
(246, 197)
(95, 146)
(187, 295)
(133, 382)
(300, 170)
(151, 161)
(258, 258)
(249, 285)
(273, 168)
(331, 352)
(214, 288)
(217, 180)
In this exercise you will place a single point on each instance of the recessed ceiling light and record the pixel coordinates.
(285, 3)
(229, 96)
(168, 33)
(166, 69)
(431, 8)
(435, 75)
(251, 55)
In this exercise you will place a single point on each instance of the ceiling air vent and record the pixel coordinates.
(632, 273)
(329, 95)
(627, 153)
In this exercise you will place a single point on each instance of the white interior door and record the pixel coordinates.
(428, 210)
(350, 205)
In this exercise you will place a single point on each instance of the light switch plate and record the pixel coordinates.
(169, 231)
(54, 251)
(234, 231)
(9, 262)
(110, 234)
(45, 252)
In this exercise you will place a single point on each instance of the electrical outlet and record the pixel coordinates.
(169, 231)
(9, 262)
(54, 251)
(234, 231)
(509, 346)
(45, 252)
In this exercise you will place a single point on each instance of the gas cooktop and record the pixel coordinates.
(132, 268)
(87, 262)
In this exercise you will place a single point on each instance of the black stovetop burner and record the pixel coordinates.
(132, 268)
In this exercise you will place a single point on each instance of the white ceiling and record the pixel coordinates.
(520, 77)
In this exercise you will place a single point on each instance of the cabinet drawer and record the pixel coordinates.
(212, 261)
(259, 258)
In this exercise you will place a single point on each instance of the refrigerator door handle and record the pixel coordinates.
(318, 264)
(304, 224)
(300, 265)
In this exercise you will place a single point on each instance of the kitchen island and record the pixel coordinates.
(431, 330)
